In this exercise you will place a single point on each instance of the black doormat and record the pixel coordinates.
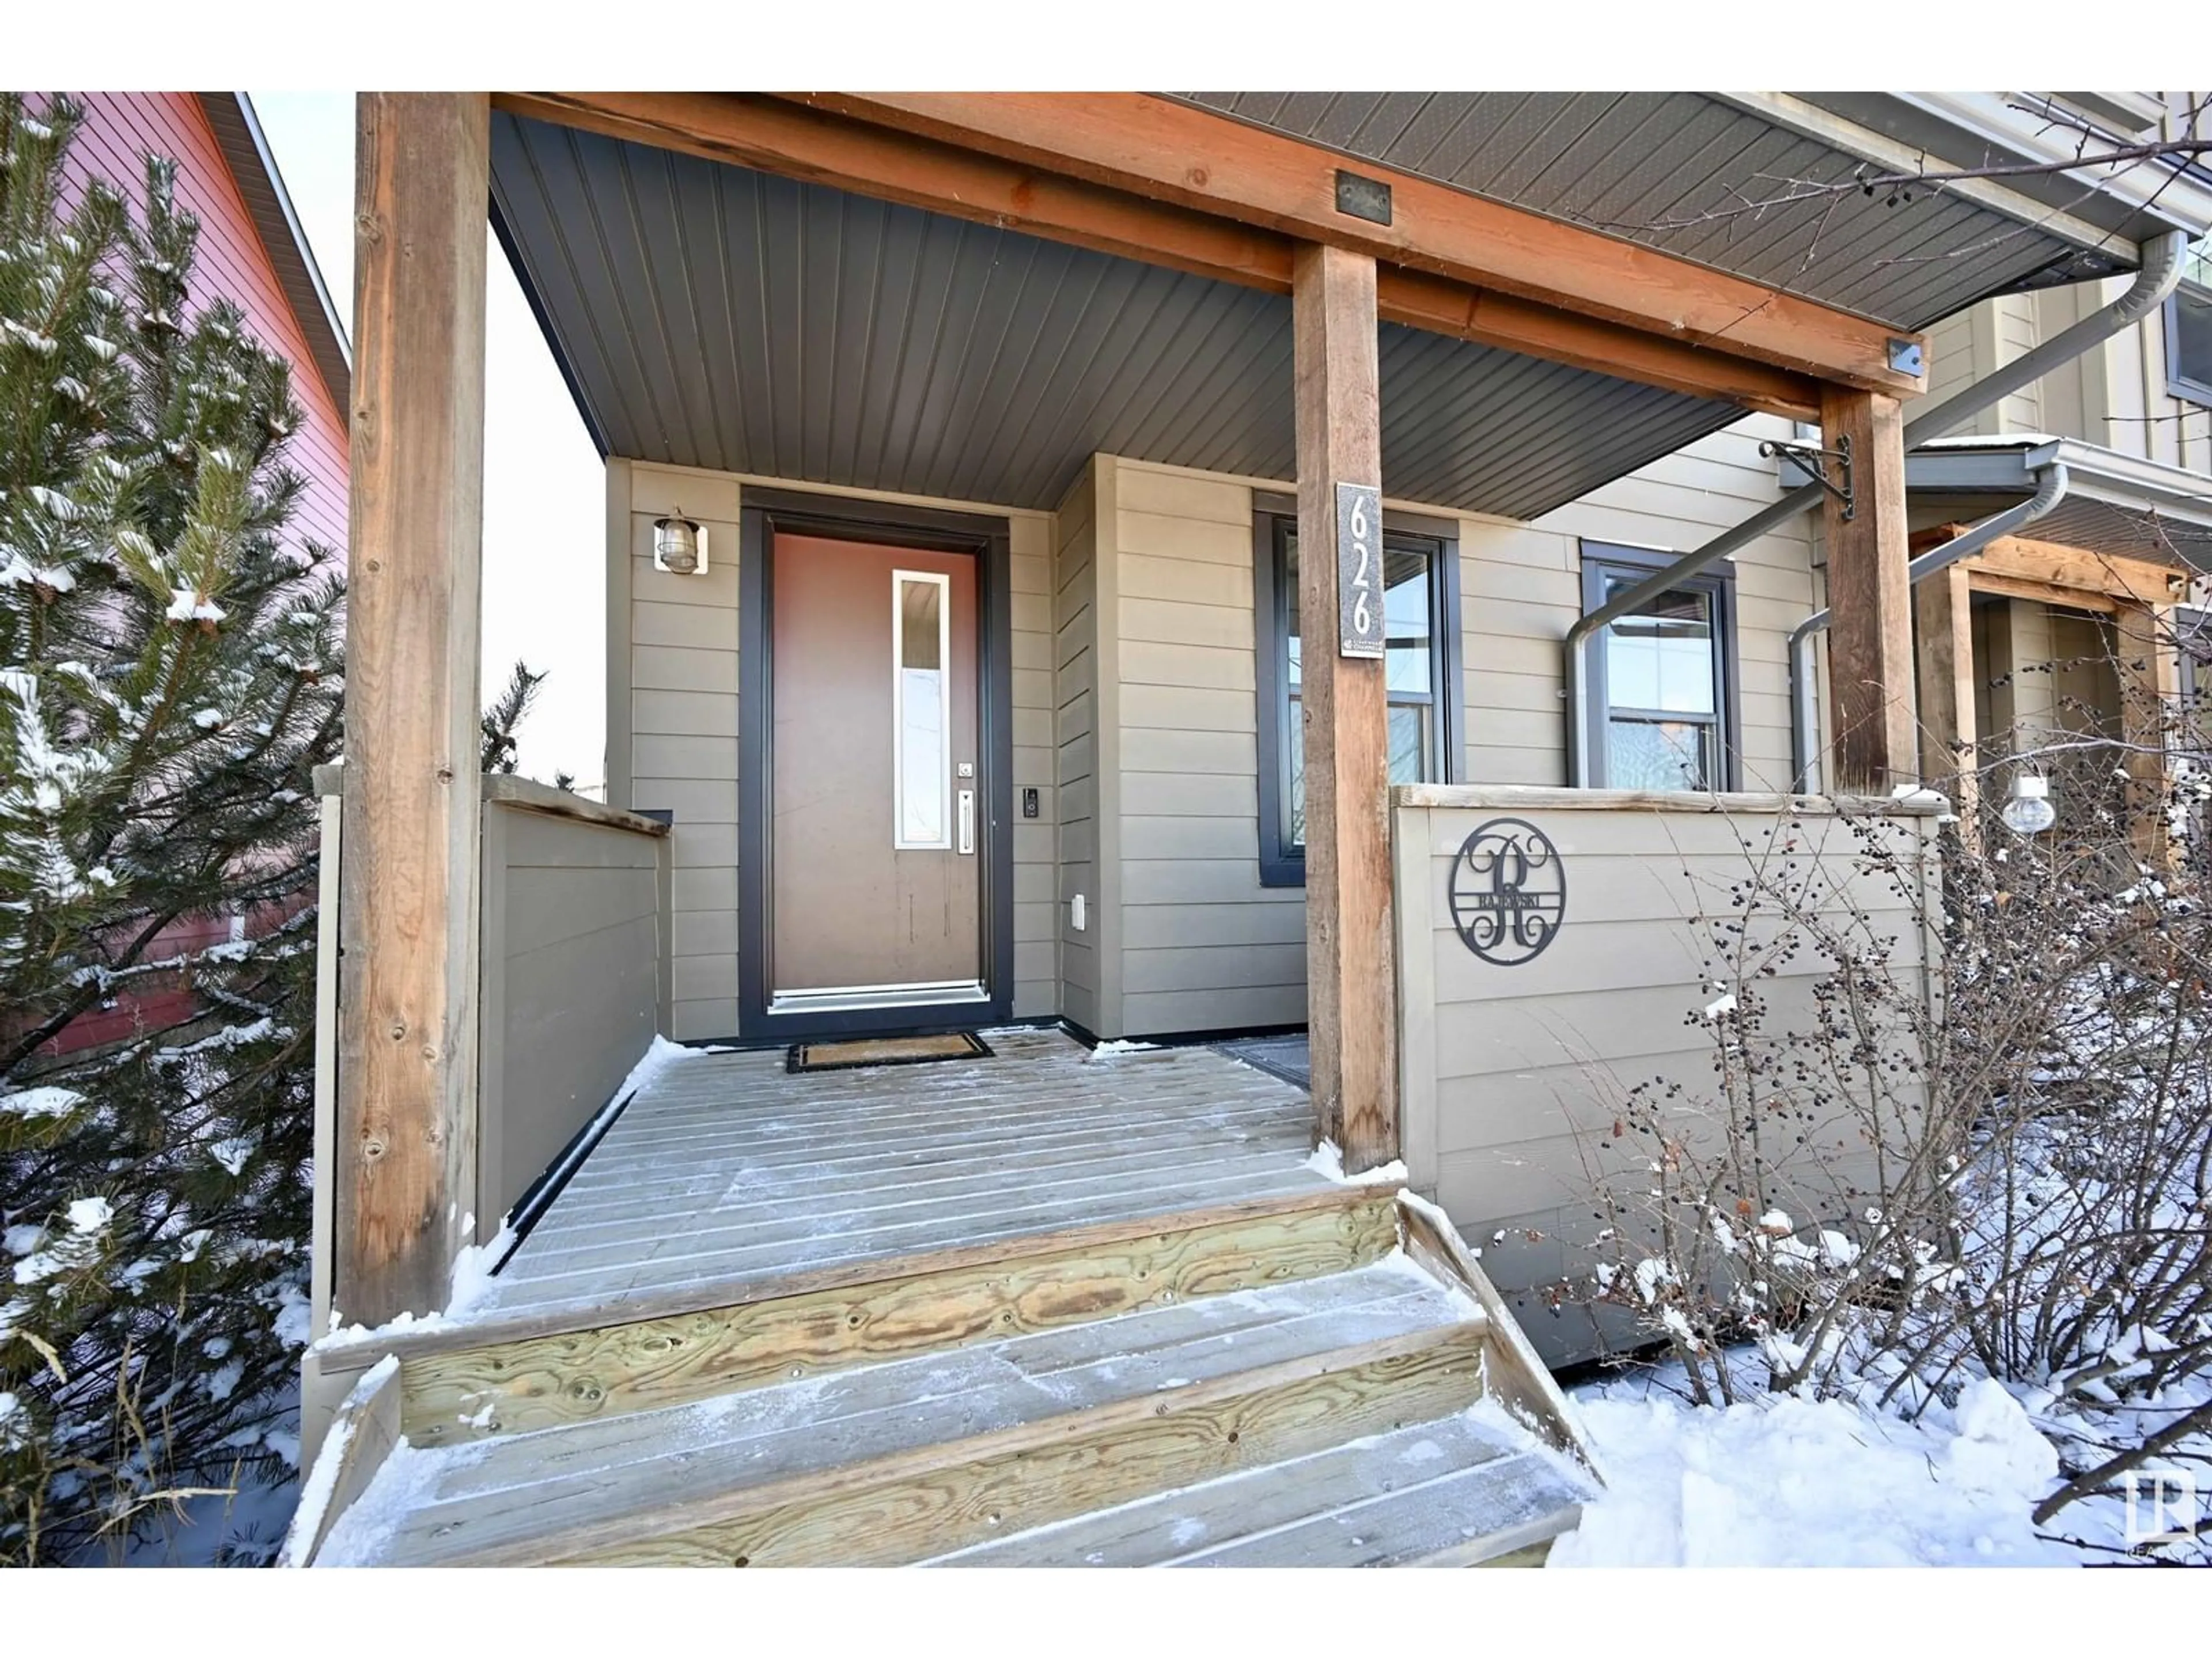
(853, 1054)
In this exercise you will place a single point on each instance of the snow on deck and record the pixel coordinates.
(724, 1167)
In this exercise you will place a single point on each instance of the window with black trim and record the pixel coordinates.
(2188, 328)
(1420, 669)
(1662, 679)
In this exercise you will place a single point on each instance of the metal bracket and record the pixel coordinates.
(1813, 461)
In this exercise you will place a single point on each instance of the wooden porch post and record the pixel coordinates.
(1947, 730)
(2150, 681)
(1870, 703)
(412, 802)
(1351, 996)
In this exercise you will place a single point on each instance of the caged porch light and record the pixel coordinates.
(677, 542)
(2027, 808)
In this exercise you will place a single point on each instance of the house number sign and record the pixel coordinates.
(1359, 570)
(1509, 891)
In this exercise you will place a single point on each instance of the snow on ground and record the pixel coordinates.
(1777, 1481)
(1327, 1162)
(1780, 1481)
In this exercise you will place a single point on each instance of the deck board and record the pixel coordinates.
(496, 1493)
(727, 1168)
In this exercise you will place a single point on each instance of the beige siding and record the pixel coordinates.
(1521, 590)
(574, 976)
(680, 682)
(1204, 945)
(1512, 1075)
(1076, 748)
(673, 710)
(1036, 955)
(2114, 395)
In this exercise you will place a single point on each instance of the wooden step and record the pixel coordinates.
(902, 1459)
(459, 1386)
(1466, 1489)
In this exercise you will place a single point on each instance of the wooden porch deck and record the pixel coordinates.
(1042, 1306)
(728, 1171)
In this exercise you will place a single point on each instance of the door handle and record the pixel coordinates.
(967, 822)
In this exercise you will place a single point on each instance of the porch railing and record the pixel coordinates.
(573, 985)
(1558, 947)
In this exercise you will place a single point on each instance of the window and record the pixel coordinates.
(1661, 678)
(921, 721)
(2189, 329)
(1420, 611)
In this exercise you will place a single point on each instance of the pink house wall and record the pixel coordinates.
(122, 127)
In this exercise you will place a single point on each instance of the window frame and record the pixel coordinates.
(1282, 862)
(1601, 560)
(2180, 384)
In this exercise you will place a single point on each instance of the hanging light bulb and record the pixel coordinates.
(2027, 808)
(676, 543)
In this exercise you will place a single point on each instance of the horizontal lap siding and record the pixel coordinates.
(1204, 945)
(2114, 394)
(1521, 591)
(572, 937)
(682, 725)
(120, 131)
(1528, 1067)
(1035, 966)
(1075, 750)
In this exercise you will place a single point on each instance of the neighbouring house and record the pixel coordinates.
(1173, 568)
(253, 253)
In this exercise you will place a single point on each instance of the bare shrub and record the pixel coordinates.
(1999, 1165)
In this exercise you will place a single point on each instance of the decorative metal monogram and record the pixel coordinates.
(1509, 891)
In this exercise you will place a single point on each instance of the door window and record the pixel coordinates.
(922, 710)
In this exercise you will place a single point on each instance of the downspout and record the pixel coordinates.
(2050, 488)
(2160, 272)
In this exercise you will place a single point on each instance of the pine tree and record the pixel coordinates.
(500, 750)
(169, 675)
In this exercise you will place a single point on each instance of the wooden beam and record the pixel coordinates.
(1352, 1001)
(1178, 152)
(1985, 580)
(2142, 581)
(1443, 306)
(792, 141)
(1870, 713)
(2148, 666)
(1944, 639)
(407, 908)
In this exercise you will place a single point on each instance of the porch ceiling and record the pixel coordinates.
(1677, 171)
(2115, 503)
(708, 315)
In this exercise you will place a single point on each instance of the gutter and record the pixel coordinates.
(2160, 273)
(2050, 488)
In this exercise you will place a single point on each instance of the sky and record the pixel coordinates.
(545, 580)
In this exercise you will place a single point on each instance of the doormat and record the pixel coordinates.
(852, 1054)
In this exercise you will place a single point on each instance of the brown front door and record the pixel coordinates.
(877, 790)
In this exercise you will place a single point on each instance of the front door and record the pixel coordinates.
(876, 796)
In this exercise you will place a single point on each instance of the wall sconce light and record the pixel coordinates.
(2027, 808)
(680, 545)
